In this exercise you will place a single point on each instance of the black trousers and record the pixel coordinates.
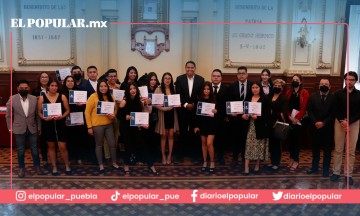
(239, 129)
(322, 138)
(275, 151)
(221, 139)
(294, 142)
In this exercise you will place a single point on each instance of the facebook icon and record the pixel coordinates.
(194, 195)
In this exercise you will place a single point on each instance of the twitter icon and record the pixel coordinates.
(277, 196)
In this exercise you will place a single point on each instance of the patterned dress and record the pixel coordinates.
(256, 149)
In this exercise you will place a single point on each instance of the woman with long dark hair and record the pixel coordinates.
(266, 81)
(131, 76)
(205, 125)
(167, 123)
(100, 126)
(298, 98)
(134, 136)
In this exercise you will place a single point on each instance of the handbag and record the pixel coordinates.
(281, 131)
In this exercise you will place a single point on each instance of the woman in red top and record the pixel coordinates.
(298, 99)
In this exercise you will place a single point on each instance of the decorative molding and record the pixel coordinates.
(321, 64)
(5, 70)
(23, 61)
(309, 73)
(228, 63)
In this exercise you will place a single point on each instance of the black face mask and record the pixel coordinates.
(77, 76)
(23, 93)
(277, 90)
(324, 88)
(295, 84)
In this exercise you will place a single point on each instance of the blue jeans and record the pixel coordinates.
(21, 145)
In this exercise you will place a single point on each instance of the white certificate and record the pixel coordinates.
(118, 94)
(157, 99)
(63, 73)
(107, 107)
(206, 108)
(294, 112)
(235, 107)
(77, 97)
(254, 108)
(75, 118)
(139, 119)
(174, 100)
(144, 92)
(53, 109)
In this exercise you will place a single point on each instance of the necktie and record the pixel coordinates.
(215, 90)
(242, 92)
(323, 98)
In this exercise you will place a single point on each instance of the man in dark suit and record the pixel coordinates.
(189, 87)
(90, 84)
(239, 91)
(321, 112)
(22, 110)
(219, 90)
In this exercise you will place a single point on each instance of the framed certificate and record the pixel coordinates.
(172, 100)
(74, 119)
(61, 74)
(139, 119)
(234, 107)
(77, 97)
(118, 94)
(205, 109)
(52, 109)
(252, 108)
(157, 99)
(104, 107)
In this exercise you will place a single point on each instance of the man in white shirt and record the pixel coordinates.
(21, 108)
(90, 84)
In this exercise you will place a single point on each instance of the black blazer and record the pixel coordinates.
(262, 123)
(234, 91)
(221, 102)
(278, 107)
(182, 88)
(86, 86)
(318, 111)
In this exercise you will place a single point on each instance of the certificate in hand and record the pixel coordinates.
(234, 107)
(74, 119)
(144, 92)
(157, 99)
(172, 100)
(77, 97)
(139, 119)
(51, 109)
(118, 94)
(61, 74)
(104, 107)
(252, 108)
(205, 109)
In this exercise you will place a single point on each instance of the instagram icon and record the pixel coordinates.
(20, 196)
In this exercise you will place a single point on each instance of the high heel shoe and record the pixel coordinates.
(212, 167)
(203, 168)
(153, 171)
(164, 160)
(68, 172)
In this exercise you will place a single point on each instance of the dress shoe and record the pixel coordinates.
(312, 171)
(246, 173)
(351, 181)
(39, 171)
(102, 172)
(21, 173)
(55, 173)
(68, 172)
(334, 177)
(153, 171)
(325, 173)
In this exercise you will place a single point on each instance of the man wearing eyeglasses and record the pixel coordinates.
(346, 124)
(239, 91)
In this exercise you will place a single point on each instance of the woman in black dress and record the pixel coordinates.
(133, 136)
(205, 125)
(131, 76)
(54, 126)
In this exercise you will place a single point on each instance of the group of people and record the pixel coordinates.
(201, 137)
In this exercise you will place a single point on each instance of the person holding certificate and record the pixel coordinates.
(257, 142)
(205, 125)
(298, 99)
(100, 125)
(134, 135)
(54, 126)
(131, 76)
(42, 88)
(168, 122)
(76, 133)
